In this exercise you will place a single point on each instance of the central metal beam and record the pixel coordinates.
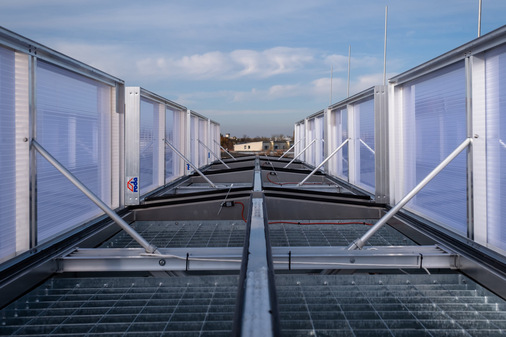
(284, 258)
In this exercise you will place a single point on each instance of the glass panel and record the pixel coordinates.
(7, 154)
(73, 124)
(496, 146)
(435, 125)
(148, 148)
(364, 111)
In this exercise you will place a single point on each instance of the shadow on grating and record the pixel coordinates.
(196, 306)
(292, 235)
(388, 305)
(173, 234)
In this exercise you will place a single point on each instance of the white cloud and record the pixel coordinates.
(233, 65)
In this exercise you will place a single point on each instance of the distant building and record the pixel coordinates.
(263, 146)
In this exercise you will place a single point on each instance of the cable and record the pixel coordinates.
(242, 212)
(320, 223)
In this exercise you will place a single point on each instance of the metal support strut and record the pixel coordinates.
(291, 147)
(323, 162)
(214, 154)
(151, 249)
(301, 152)
(360, 242)
(221, 147)
(191, 164)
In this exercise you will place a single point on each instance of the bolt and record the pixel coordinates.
(161, 262)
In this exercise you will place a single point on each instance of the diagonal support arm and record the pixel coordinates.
(221, 147)
(115, 217)
(191, 164)
(291, 147)
(214, 154)
(301, 152)
(323, 162)
(360, 242)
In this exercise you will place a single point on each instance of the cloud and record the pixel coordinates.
(232, 65)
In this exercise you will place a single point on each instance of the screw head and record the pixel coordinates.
(161, 262)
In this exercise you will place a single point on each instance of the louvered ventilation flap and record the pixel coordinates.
(188, 306)
(171, 234)
(388, 305)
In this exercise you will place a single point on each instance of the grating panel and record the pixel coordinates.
(173, 234)
(196, 306)
(388, 305)
(291, 235)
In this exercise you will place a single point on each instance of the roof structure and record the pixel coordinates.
(338, 238)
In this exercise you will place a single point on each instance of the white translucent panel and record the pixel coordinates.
(73, 124)
(7, 154)
(339, 134)
(320, 136)
(170, 156)
(435, 124)
(496, 146)
(364, 112)
(300, 139)
(310, 154)
(148, 146)
(202, 137)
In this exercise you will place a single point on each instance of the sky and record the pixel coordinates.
(255, 67)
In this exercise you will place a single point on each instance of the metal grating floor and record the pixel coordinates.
(173, 234)
(388, 305)
(188, 306)
(291, 235)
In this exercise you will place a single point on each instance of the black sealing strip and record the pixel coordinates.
(170, 197)
(319, 193)
(190, 200)
(326, 200)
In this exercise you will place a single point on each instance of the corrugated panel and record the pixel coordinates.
(282, 235)
(189, 306)
(388, 305)
(165, 234)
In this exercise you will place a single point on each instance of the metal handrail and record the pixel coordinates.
(150, 249)
(360, 242)
(191, 164)
(323, 162)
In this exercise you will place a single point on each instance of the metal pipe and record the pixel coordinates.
(297, 156)
(368, 147)
(224, 150)
(479, 18)
(214, 154)
(385, 49)
(294, 145)
(115, 217)
(323, 162)
(191, 164)
(360, 242)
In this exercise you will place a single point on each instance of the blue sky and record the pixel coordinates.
(256, 67)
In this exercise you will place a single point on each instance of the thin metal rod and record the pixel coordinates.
(297, 156)
(191, 164)
(349, 64)
(291, 147)
(214, 154)
(331, 79)
(323, 162)
(115, 217)
(385, 49)
(360, 242)
(367, 146)
(479, 19)
(224, 150)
